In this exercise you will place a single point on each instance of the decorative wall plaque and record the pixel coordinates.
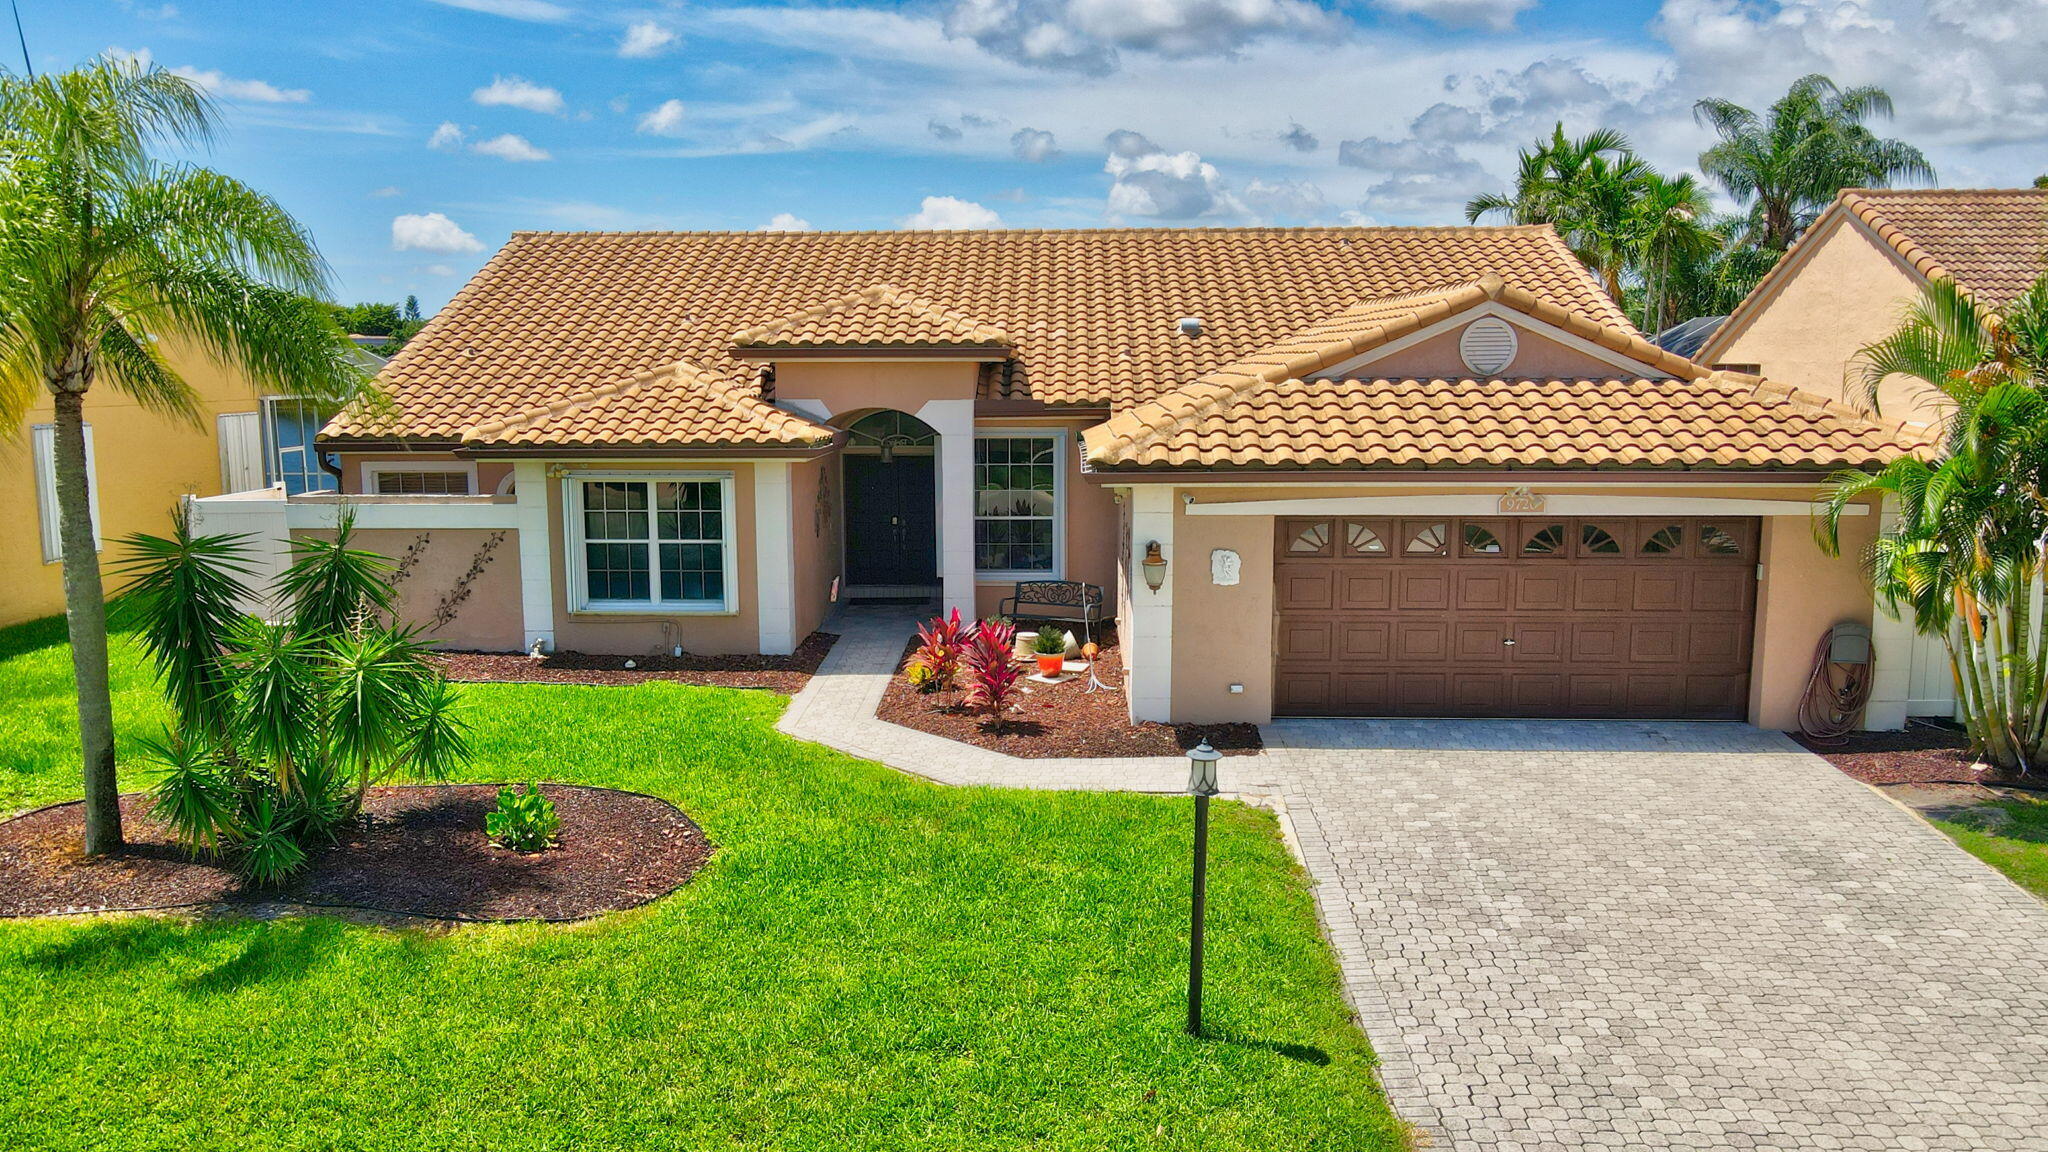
(1520, 502)
(1224, 567)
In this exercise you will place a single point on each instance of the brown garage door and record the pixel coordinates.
(1515, 616)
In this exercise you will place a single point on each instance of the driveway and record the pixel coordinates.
(1670, 936)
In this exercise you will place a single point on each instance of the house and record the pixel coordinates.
(141, 463)
(1378, 471)
(1845, 285)
(1848, 279)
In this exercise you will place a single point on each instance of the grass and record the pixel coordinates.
(2016, 845)
(868, 962)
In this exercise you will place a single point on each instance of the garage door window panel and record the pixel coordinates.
(1426, 538)
(1368, 539)
(1601, 541)
(1308, 538)
(1481, 540)
(1542, 541)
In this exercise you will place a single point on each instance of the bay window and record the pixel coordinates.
(1017, 504)
(658, 544)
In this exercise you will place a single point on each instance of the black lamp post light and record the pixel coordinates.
(1202, 782)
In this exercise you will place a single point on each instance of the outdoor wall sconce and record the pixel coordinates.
(1155, 566)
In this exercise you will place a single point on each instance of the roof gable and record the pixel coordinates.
(1992, 242)
(1090, 314)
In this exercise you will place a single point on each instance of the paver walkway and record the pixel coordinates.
(1611, 935)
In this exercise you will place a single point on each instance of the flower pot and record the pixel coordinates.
(1024, 643)
(1052, 664)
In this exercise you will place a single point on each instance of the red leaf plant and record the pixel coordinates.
(991, 674)
(932, 667)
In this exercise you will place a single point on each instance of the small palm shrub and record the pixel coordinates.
(935, 663)
(524, 821)
(991, 674)
(1050, 642)
(282, 728)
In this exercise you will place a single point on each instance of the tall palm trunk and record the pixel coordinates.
(85, 614)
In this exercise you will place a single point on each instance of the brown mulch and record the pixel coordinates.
(784, 674)
(1059, 720)
(422, 852)
(1922, 754)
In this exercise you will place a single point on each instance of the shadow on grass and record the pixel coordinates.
(1300, 1053)
(266, 952)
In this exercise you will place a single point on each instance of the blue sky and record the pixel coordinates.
(413, 135)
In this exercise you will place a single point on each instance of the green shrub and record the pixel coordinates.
(525, 821)
(1050, 642)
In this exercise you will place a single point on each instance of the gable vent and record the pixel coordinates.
(1488, 345)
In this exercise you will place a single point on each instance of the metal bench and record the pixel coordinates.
(1068, 601)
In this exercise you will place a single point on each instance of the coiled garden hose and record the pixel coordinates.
(1835, 693)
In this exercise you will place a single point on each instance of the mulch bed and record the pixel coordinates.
(1059, 720)
(422, 853)
(1922, 754)
(784, 674)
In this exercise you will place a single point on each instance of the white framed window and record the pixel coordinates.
(1019, 503)
(289, 455)
(397, 478)
(651, 542)
(43, 445)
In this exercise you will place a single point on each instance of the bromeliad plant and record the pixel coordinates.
(935, 663)
(1965, 558)
(991, 673)
(283, 726)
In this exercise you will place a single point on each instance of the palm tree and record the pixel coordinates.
(1812, 143)
(1965, 557)
(1669, 228)
(104, 253)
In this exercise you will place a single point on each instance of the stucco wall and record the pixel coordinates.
(844, 386)
(434, 568)
(1849, 292)
(652, 633)
(1536, 356)
(143, 463)
(1802, 594)
(814, 488)
(1223, 635)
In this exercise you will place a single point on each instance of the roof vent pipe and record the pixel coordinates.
(1189, 325)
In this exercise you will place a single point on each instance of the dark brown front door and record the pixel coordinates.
(1515, 616)
(891, 521)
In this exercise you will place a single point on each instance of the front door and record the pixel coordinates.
(891, 521)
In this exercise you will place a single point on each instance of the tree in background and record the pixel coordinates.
(1637, 229)
(1787, 164)
(1965, 559)
(399, 323)
(105, 252)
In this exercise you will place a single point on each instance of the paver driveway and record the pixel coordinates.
(1665, 936)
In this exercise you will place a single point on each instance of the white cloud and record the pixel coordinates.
(513, 147)
(1085, 35)
(1286, 199)
(438, 270)
(446, 138)
(536, 11)
(1498, 15)
(665, 120)
(230, 88)
(514, 92)
(949, 213)
(941, 130)
(1034, 146)
(1150, 181)
(386, 192)
(786, 222)
(430, 232)
(646, 38)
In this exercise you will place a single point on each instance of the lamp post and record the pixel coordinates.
(1202, 782)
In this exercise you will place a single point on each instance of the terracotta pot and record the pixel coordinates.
(1051, 665)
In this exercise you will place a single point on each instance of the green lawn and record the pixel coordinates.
(2016, 846)
(868, 962)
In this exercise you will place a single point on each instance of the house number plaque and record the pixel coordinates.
(1520, 502)
(1224, 566)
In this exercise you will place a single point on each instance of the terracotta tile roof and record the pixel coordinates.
(877, 317)
(1090, 313)
(1723, 419)
(1991, 241)
(678, 406)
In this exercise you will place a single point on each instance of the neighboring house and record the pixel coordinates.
(1848, 280)
(1375, 471)
(1685, 338)
(141, 463)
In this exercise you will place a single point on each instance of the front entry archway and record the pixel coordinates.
(891, 486)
